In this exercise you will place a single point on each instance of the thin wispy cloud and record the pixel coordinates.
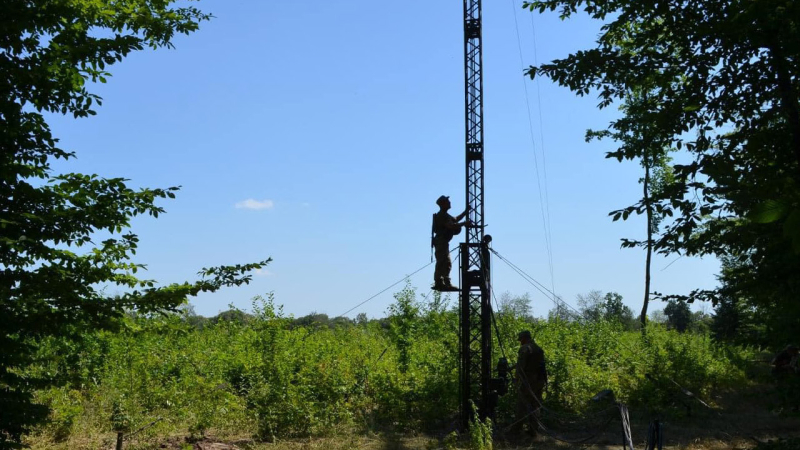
(255, 204)
(263, 273)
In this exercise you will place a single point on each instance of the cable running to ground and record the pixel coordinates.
(539, 286)
(543, 200)
(391, 286)
(541, 146)
(580, 318)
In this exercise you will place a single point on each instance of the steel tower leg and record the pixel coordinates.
(475, 300)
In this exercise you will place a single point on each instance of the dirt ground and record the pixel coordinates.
(757, 416)
(741, 421)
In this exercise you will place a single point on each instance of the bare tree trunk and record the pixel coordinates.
(649, 209)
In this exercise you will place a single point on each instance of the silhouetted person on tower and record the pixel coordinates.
(445, 227)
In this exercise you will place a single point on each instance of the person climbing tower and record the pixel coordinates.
(443, 229)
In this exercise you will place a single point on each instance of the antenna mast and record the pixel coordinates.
(476, 382)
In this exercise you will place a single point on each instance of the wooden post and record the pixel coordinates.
(119, 440)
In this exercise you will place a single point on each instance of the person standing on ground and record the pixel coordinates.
(530, 378)
(786, 361)
(786, 369)
(445, 227)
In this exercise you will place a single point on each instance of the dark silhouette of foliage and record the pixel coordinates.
(232, 315)
(317, 320)
(50, 52)
(679, 316)
(719, 82)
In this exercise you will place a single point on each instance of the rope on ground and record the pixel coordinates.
(596, 430)
(627, 441)
(130, 435)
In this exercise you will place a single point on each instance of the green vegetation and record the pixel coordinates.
(715, 81)
(265, 375)
(65, 237)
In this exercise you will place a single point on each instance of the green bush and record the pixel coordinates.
(270, 377)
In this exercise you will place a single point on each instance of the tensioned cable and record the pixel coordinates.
(550, 294)
(391, 286)
(581, 318)
(539, 286)
(542, 426)
(491, 310)
(542, 200)
(498, 331)
(673, 262)
(542, 147)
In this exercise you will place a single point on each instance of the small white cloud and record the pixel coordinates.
(255, 204)
(263, 273)
(305, 204)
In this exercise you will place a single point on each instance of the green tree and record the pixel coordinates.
(721, 79)
(616, 311)
(727, 322)
(596, 306)
(679, 316)
(591, 306)
(51, 271)
(561, 312)
(641, 138)
(403, 318)
(658, 316)
(516, 305)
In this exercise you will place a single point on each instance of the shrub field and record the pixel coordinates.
(268, 376)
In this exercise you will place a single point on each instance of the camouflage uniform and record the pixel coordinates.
(530, 380)
(443, 224)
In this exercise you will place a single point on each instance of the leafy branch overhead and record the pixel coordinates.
(54, 273)
(716, 82)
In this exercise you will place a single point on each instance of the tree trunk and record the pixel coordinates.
(649, 209)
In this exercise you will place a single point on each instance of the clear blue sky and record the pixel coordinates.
(320, 133)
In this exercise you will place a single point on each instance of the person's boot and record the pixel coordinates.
(448, 286)
(444, 285)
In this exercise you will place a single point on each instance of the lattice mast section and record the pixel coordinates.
(475, 370)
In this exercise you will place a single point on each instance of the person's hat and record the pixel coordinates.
(524, 334)
(440, 201)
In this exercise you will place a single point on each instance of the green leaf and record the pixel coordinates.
(768, 212)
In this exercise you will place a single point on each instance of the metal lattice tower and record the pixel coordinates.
(475, 302)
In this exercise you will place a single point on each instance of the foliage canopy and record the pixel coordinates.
(717, 80)
(51, 271)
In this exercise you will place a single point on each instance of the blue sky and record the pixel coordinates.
(320, 133)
